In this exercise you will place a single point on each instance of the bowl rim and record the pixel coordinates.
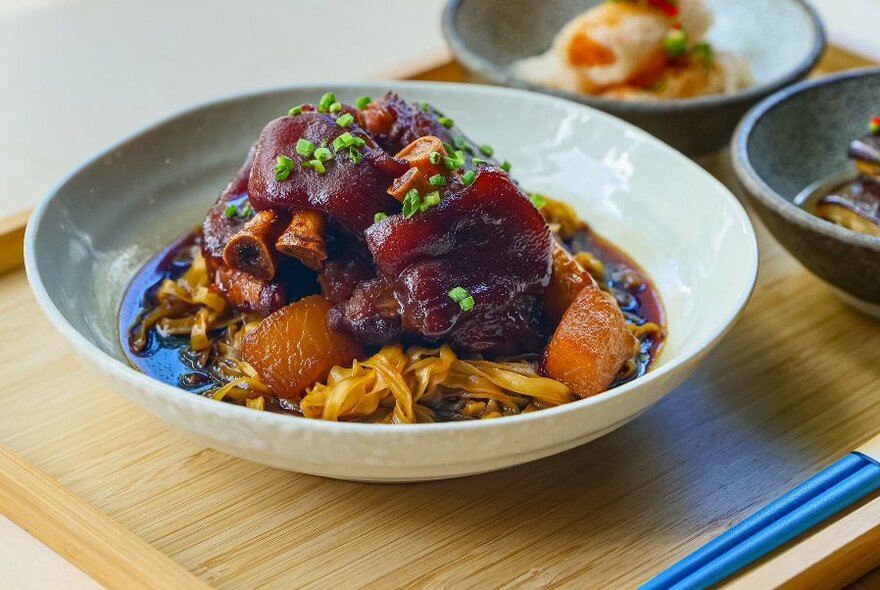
(499, 75)
(762, 192)
(176, 396)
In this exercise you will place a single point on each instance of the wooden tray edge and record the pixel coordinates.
(93, 542)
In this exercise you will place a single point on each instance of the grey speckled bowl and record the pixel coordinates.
(795, 138)
(782, 39)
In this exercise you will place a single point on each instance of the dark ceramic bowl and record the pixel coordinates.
(782, 40)
(795, 138)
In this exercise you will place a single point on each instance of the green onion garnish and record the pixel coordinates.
(424, 107)
(411, 203)
(478, 161)
(468, 177)
(343, 141)
(335, 107)
(247, 211)
(446, 122)
(505, 165)
(318, 166)
(283, 167)
(305, 148)
(703, 52)
(323, 154)
(345, 120)
(306, 164)
(230, 211)
(434, 157)
(676, 43)
(358, 142)
(325, 102)
(487, 150)
(463, 298)
(355, 156)
(449, 149)
(362, 102)
(459, 142)
(537, 200)
(437, 180)
(432, 199)
(379, 217)
(295, 111)
(451, 163)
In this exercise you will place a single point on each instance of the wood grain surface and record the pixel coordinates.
(793, 387)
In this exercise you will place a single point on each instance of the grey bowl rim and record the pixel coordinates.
(474, 61)
(85, 349)
(762, 192)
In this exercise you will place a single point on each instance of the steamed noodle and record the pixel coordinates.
(394, 385)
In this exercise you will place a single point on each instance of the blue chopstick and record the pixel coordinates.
(827, 493)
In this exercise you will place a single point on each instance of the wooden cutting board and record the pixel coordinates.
(794, 386)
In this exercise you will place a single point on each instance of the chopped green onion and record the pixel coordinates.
(448, 147)
(335, 107)
(323, 154)
(537, 200)
(295, 111)
(411, 203)
(446, 122)
(318, 166)
(230, 211)
(437, 180)
(345, 120)
(306, 164)
(424, 107)
(468, 177)
(362, 102)
(326, 100)
(676, 43)
(478, 161)
(458, 294)
(459, 142)
(305, 148)
(358, 142)
(247, 211)
(703, 52)
(434, 157)
(379, 217)
(505, 165)
(451, 163)
(464, 299)
(432, 199)
(487, 150)
(343, 141)
(354, 155)
(283, 167)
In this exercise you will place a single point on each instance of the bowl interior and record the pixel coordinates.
(803, 139)
(101, 224)
(776, 36)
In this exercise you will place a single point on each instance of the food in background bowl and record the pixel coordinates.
(853, 203)
(638, 50)
(371, 263)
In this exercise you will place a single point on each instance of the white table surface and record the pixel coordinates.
(77, 75)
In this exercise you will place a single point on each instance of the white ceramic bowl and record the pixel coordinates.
(94, 230)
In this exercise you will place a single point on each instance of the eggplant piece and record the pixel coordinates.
(865, 152)
(855, 205)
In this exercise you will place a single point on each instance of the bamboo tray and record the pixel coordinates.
(795, 386)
